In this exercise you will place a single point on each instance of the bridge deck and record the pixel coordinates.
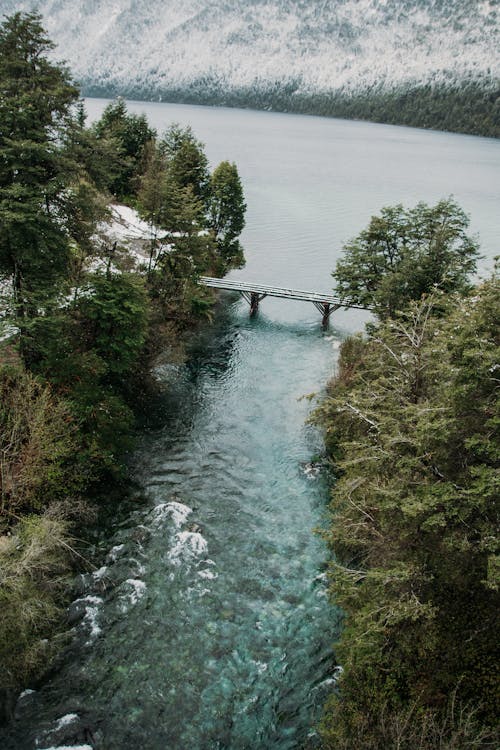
(273, 291)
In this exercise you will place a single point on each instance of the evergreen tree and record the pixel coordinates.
(36, 101)
(152, 199)
(152, 194)
(130, 135)
(98, 156)
(187, 163)
(412, 424)
(226, 213)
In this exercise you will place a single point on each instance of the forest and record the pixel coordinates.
(411, 425)
(80, 325)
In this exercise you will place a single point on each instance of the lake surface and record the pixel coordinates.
(207, 626)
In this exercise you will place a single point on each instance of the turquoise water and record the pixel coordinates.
(207, 625)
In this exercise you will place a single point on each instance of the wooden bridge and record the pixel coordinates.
(254, 293)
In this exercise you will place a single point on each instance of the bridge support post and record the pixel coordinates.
(254, 303)
(253, 298)
(326, 309)
(326, 314)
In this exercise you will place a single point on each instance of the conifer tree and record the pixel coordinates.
(36, 100)
(226, 212)
(130, 135)
(187, 162)
(412, 423)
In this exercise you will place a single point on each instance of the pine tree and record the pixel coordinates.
(129, 134)
(36, 100)
(226, 213)
(187, 162)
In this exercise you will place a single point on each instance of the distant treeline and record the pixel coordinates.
(472, 107)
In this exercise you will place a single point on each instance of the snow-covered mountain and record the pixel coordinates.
(226, 50)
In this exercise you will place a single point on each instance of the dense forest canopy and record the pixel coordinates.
(411, 423)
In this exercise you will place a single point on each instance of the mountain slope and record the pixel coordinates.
(305, 55)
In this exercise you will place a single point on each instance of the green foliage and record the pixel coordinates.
(180, 249)
(130, 135)
(92, 353)
(412, 424)
(37, 442)
(226, 213)
(33, 578)
(36, 98)
(406, 253)
(98, 157)
(112, 313)
(187, 163)
(152, 194)
(195, 219)
(49, 204)
(457, 727)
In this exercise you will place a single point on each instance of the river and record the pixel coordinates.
(207, 626)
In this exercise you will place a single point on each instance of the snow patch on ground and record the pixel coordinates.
(127, 225)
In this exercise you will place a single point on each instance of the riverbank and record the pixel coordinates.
(63, 480)
(89, 316)
(411, 423)
(212, 620)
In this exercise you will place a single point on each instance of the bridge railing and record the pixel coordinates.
(259, 291)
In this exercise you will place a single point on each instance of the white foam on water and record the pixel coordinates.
(64, 721)
(188, 545)
(261, 666)
(194, 591)
(140, 567)
(91, 612)
(176, 512)
(138, 589)
(26, 693)
(321, 577)
(98, 574)
(335, 342)
(208, 574)
(68, 747)
(311, 470)
(114, 552)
